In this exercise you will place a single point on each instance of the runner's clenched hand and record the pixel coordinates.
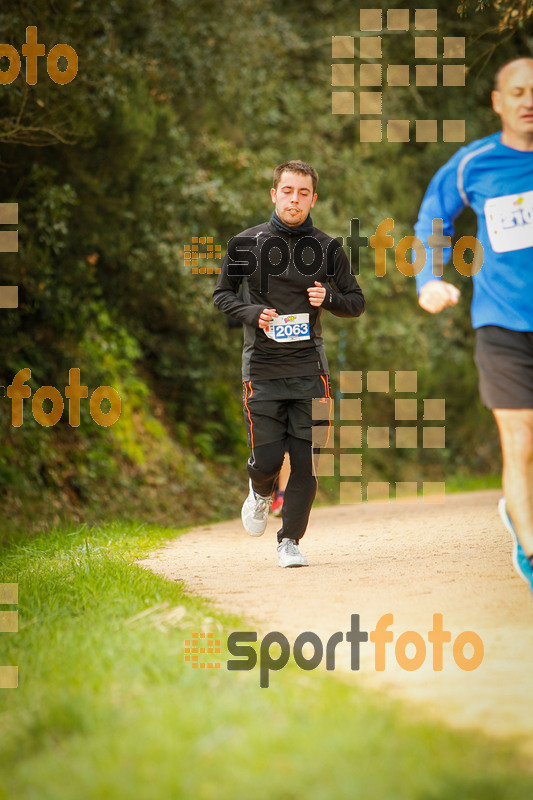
(437, 295)
(266, 316)
(316, 294)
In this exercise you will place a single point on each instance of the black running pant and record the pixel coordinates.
(264, 465)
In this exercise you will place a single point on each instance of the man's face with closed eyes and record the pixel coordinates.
(293, 197)
(513, 101)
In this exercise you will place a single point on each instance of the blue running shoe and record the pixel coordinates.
(520, 560)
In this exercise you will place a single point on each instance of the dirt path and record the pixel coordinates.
(411, 560)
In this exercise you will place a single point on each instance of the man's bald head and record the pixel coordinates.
(507, 69)
(513, 101)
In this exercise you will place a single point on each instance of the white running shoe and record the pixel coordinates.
(289, 555)
(254, 512)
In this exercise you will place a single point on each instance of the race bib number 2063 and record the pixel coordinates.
(289, 328)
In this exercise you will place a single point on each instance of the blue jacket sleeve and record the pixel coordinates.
(443, 200)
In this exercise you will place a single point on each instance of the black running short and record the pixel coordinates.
(504, 360)
(279, 407)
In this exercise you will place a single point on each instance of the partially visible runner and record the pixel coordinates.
(494, 176)
(280, 486)
(284, 363)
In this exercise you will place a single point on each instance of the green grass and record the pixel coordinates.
(471, 483)
(108, 709)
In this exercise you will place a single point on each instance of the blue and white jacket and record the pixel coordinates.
(497, 182)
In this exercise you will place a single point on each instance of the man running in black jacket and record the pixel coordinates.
(289, 271)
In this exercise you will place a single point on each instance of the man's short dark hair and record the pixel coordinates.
(296, 166)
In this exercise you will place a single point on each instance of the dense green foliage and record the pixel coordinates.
(171, 128)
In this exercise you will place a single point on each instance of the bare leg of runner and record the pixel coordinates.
(516, 437)
(280, 486)
(284, 473)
